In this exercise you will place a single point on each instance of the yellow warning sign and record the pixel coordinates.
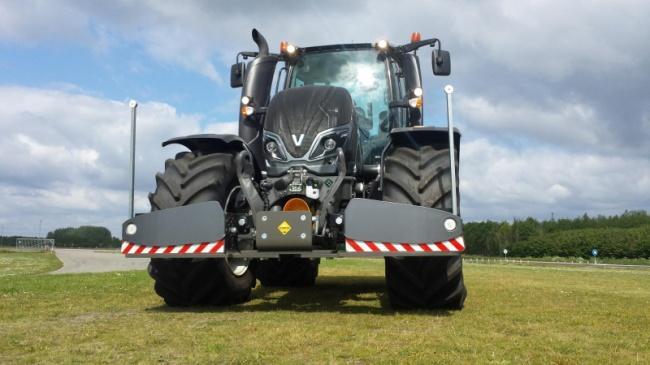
(284, 227)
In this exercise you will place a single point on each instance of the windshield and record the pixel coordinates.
(363, 74)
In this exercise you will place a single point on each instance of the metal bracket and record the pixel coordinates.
(245, 172)
(327, 199)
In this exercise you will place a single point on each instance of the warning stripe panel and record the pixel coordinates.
(203, 248)
(453, 245)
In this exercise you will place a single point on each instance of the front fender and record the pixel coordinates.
(423, 136)
(210, 143)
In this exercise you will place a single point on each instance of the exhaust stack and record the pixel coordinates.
(259, 39)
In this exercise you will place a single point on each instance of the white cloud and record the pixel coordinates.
(501, 183)
(223, 128)
(34, 21)
(551, 39)
(66, 155)
(559, 122)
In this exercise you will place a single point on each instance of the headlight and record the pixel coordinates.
(327, 141)
(329, 144)
(273, 148)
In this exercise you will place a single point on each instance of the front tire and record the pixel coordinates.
(422, 176)
(190, 179)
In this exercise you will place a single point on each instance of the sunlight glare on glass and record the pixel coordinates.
(366, 76)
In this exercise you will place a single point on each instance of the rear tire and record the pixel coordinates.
(421, 176)
(190, 179)
(294, 272)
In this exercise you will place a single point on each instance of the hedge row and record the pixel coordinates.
(625, 235)
(610, 242)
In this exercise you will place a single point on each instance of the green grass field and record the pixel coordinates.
(513, 314)
(27, 263)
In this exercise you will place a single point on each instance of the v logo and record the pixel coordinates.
(297, 140)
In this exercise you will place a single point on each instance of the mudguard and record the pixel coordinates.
(423, 136)
(210, 143)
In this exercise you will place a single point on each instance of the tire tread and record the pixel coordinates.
(420, 176)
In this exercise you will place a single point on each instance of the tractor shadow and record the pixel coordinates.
(343, 294)
(335, 294)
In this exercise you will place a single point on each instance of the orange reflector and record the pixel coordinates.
(415, 37)
(296, 205)
(283, 46)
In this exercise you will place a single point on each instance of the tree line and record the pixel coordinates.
(621, 236)
(84, 236)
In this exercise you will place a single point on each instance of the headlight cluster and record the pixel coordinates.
(324, 145)
(327, 142)
(272, 145)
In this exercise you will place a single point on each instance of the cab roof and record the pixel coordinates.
(337, 47)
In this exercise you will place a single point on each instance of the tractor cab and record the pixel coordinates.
(383, 81)
(371, 77)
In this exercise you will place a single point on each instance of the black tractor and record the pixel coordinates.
(332, 160)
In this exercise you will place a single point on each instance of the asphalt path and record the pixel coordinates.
(85, 260)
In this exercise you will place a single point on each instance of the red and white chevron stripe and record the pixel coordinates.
(130, 248)
(453, 245)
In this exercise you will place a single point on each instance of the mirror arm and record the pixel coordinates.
(406, 48)
(245, 55)
(439, 58)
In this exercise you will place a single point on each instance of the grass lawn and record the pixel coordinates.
(513, 314)
(599, 260)
(24, 263)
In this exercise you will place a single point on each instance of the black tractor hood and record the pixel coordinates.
(297, 115)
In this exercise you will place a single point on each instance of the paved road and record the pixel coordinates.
(85, 260)
(549, 263)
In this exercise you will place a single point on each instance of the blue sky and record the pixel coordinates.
(551, 97)
(124, 71)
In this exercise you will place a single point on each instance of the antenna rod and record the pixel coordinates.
(134, 106)
(452, 150)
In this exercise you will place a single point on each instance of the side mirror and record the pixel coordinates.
(237, 72)
(441, 62)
